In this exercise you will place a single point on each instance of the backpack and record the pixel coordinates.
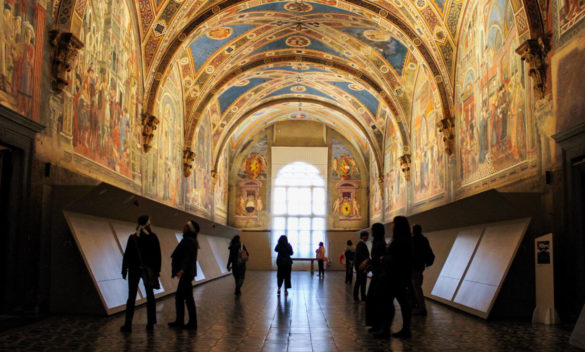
(429, 255)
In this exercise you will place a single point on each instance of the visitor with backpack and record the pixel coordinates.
(423, 257)
(237, 262)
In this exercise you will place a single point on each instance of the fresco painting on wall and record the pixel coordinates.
(199, 197)
(105, 88)
(346, 206)
(345, 175)
(221, 190)
(570, 12)
(491, 95)
(163, 178)
(394, 183)
(427, 149)
(250, 203)
(375, 192)
(252, 170)
(253, 167)
(22, 27)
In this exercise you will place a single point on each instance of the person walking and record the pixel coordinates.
(423, 257)
(376, 291)
(283, 263)
(362, 256)
(321, 259)
(349, 255)
(184, 266)
(142, 259)
(237, 262)
(396, 277)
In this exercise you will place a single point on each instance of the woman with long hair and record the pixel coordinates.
(397, 266)
(184, 266)
(237, 262)
(283, 263)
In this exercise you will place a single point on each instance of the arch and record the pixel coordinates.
(291, 59)
(225, 136)
(209, 13)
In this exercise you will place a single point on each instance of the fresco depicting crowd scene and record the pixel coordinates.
(491, 93)
(21, 45)
(428, 163)
(105, 87)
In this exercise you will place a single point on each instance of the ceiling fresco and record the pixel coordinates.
(359, 56)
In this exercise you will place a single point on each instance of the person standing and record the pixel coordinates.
(142, 259)
(376, 291)
(184, 266)
(283, 263)
(396, 278)
(237, 262)
(321, 259)
(423, 257)
(362, 255)
(349, 258)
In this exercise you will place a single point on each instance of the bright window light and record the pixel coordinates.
(299, 207)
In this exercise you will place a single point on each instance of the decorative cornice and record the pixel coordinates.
(405, 162)
(188, 159)
(149, 124)
(19, 123)
(534, 52)
(65, 49)
(214, 176)
(446, 127)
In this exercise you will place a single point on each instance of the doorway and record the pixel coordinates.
(5, 178)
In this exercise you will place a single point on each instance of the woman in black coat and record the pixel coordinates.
(397, 272)
(375, 291)
(237, 262)
(284, 263)
(184, 266)
(142, 259)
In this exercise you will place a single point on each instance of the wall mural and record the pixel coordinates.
(93, 127)
(394, 182)
(346, 180)
(249, 185)
(490, 94)
(220, 193)
(375, 192)
(163, 177)
(252, 171)
(199, 196)
(428, 165)
(22, 30)
(570, 13)
(104, 89)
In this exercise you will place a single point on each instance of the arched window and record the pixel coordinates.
(298, 207)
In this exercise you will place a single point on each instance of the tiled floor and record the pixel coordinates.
(317, 315)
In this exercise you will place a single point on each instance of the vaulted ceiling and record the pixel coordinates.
(350, 64)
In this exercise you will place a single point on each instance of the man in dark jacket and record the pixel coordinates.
(349, 262)
(423, 257)
(184, 266)
(361, 278)
(141, 260)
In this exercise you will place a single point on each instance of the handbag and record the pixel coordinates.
(243, 255)
(149, 277)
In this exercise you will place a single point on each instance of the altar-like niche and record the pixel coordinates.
(250, 202)
(346, 206)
